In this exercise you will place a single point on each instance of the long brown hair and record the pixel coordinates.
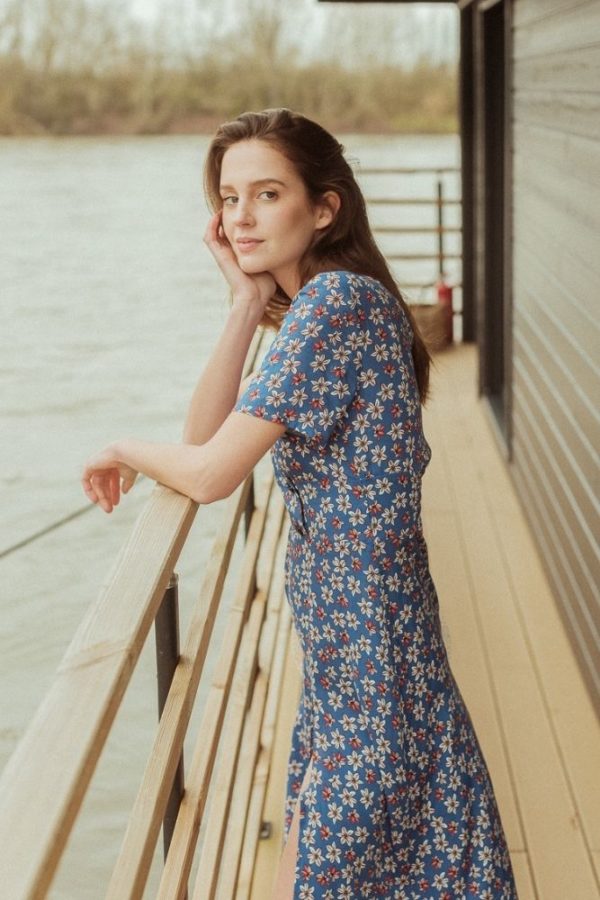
(347, 243)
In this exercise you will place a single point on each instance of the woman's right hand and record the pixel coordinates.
(252, 291)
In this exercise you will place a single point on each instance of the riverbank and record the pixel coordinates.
(375, 100)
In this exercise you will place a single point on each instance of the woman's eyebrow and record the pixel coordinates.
(228, 187)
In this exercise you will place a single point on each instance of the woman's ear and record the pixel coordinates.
(327, 208)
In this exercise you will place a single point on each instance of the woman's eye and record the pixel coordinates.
(229, 201)
(270, 195)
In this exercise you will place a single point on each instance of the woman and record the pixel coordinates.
(388, 794)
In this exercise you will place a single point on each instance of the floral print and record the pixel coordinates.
(399, 803)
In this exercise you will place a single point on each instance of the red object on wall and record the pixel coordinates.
(444, 296)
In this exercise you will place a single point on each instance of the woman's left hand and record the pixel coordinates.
(104, 476)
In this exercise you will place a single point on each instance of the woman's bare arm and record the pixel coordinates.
(205, 473)
(219, 385)
(220, 446)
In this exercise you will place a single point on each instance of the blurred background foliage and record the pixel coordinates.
(94, 66)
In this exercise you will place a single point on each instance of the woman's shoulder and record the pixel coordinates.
(341, 283)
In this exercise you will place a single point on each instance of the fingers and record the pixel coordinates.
(96, 484)
(128, 481)
(214, 233)
(115, 487)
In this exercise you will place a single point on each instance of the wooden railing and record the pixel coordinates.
(438, 201)
(46, 779)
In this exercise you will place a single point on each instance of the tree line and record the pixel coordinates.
(79, 67)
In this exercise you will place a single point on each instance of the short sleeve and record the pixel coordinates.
(309, 374)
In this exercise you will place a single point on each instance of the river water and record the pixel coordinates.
(110, 307)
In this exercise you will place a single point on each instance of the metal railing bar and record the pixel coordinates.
(166, 635)
(407, 229)
(421, 285)
(412, 201)
(422, 256)
(427, 170)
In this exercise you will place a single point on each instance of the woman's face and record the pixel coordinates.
(267, 215)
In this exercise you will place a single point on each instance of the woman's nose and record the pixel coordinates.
(243, 212)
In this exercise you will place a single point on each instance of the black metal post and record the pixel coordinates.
(248, 513)
(440, 228)
(166, 631)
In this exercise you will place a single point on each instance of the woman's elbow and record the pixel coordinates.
(204, 494)
(208, 488)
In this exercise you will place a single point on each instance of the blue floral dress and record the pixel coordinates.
(400, 802)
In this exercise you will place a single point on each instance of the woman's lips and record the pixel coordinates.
(245, 245)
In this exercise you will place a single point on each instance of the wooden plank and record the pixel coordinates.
(564, 152)
(574, 196)
(185, 835)
(557, 848)
(575, 28)
(533, 341)
(539, 282)
(532, 10)
(554, 340)
(258, 641)
(256, 817)
(44, 782)
(567, 249)
(226, 822)
(523, 877)
(269, 850)
(576, 456)
(571, 113)
(559, 71)
(581, 519)
(572, 714)
(245, 819)
(560, 567)
(570, 709)
(572, 484)
(467, 658)
(240, 801)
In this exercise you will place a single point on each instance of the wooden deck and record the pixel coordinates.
(508, 651)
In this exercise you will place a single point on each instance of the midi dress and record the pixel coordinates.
(399, 803)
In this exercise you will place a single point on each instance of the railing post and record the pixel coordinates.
(248, 513)
(440, 228)
(166, 631)
(249, 508)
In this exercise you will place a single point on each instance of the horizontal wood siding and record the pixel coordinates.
(556, 302)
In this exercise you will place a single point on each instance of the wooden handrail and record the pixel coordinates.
(45, 780)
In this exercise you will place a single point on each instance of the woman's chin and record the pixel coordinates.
(251, 266)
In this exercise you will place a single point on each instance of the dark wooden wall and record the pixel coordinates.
(556, 301)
